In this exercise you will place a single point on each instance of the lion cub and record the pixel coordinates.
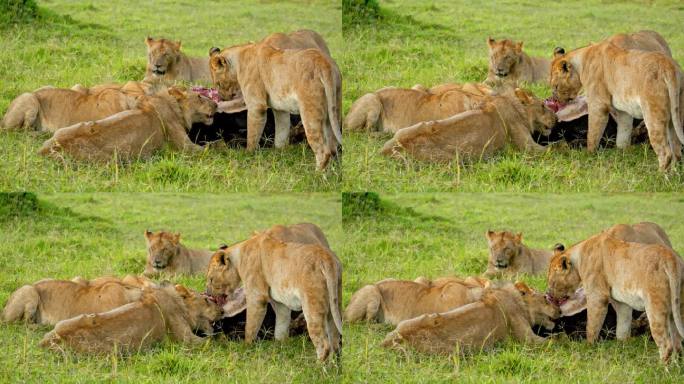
(645, 277)
(508, 254)
(391, 301)
(164, 117)
(501, 312)
(166, 254)
(390, 109)
(173, 310)
(503, 118)
(48, 301)
(508, 62)
(292, 276)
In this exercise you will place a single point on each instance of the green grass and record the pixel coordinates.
(445, 41)
(93, 42)
(99, 234)
(441, 234)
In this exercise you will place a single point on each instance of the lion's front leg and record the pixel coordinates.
(597, 307)
(624, 129)
(283, 319)
(624, 320)
(282, 128)
(598, 118)
(256, 121)
(256, 310)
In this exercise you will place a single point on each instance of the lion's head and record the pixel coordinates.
(565, 80)
(222, 276)
(540, 117)
(563, 276)
(504, 56)
(541, 312)
(162, 55)
(504, 248)
(162, 247)
(196, 108)
(223, 74)
(202, 310)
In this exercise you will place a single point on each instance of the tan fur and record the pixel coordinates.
(303, 233)
(301, 39)
(644, 233)
(509, 63)
(48, 108)
(634, 83)
(131, 280)
(172, 311)
(302, 81)
(478, 133)
(643, 40)
(48, 301)
(390, 109)
(166, 61)
(157, 120)
(645, 277)
(292, 276)
(505, 312)
(508, 254)
(165, 254)
(392, 301)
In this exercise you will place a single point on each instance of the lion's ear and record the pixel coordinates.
(489, 234)
(176, 237)
(182, 291)
(148, 40)
(214, 51)
(519, 47)
(491, 42)
(518, 237)
(218, 62)
(558, 52)
(176, 93)
(522, 288)
(223, 246)
(559, 247)
(178, 45)
(565, 263)
(148, 234)
(566, 66)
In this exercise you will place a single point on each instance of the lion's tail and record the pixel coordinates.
(334, 99)
(673, 86)
(675, 277)
(22, 112)
(332, 273)
(22, 305)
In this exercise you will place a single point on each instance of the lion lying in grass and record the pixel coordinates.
(503, 118)
(390, 109)
(508, 254)
(501, 312)
(173, 311)
(392, 301)
(166, 61)
(508, 62)
(48, 301)
(48, 108)
(158, 119)
(166, 254)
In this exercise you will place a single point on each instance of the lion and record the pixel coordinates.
(166, 62)
(634, 84)
(645, 277)
(643, 40)
(293, 276)
(166, 254)
(644, 233)
(390, 109)
(164, 117)
(49, 108)
(508, 254)
(301, 39)
(48, 301)
(132, 280)
(173, 311)
(508, 62)
(511, 310)
(476, 134)
(299, 81)
(392, 301)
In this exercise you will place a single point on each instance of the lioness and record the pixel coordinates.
(167, 62)
(390, 109)
(164, 117)
(292, 276)
(508, 62)
(166, 254)
(48, 108)
(508, 254)
(644, 232)
(48, 301)
(634, 276)
(172, 311)
(392, 301)
(478, 133)
(305, 82)
(634, 83)
(501, 312)
(643, 40)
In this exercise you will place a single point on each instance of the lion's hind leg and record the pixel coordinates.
(22, 305)
(364, 305)
(22, 113)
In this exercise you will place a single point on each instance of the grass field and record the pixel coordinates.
(94, 42)
(99, 234)
(443, 234)
(445, 41)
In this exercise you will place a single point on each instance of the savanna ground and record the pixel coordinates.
(94, 42)
(442, 234)
(440, 41)
(65, 235)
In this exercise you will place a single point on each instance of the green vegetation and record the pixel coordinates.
(91, 43)
(444, 41)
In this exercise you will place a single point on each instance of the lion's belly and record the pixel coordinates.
(632, 298)
(289, 297)
(287, 103)
(629, 106)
